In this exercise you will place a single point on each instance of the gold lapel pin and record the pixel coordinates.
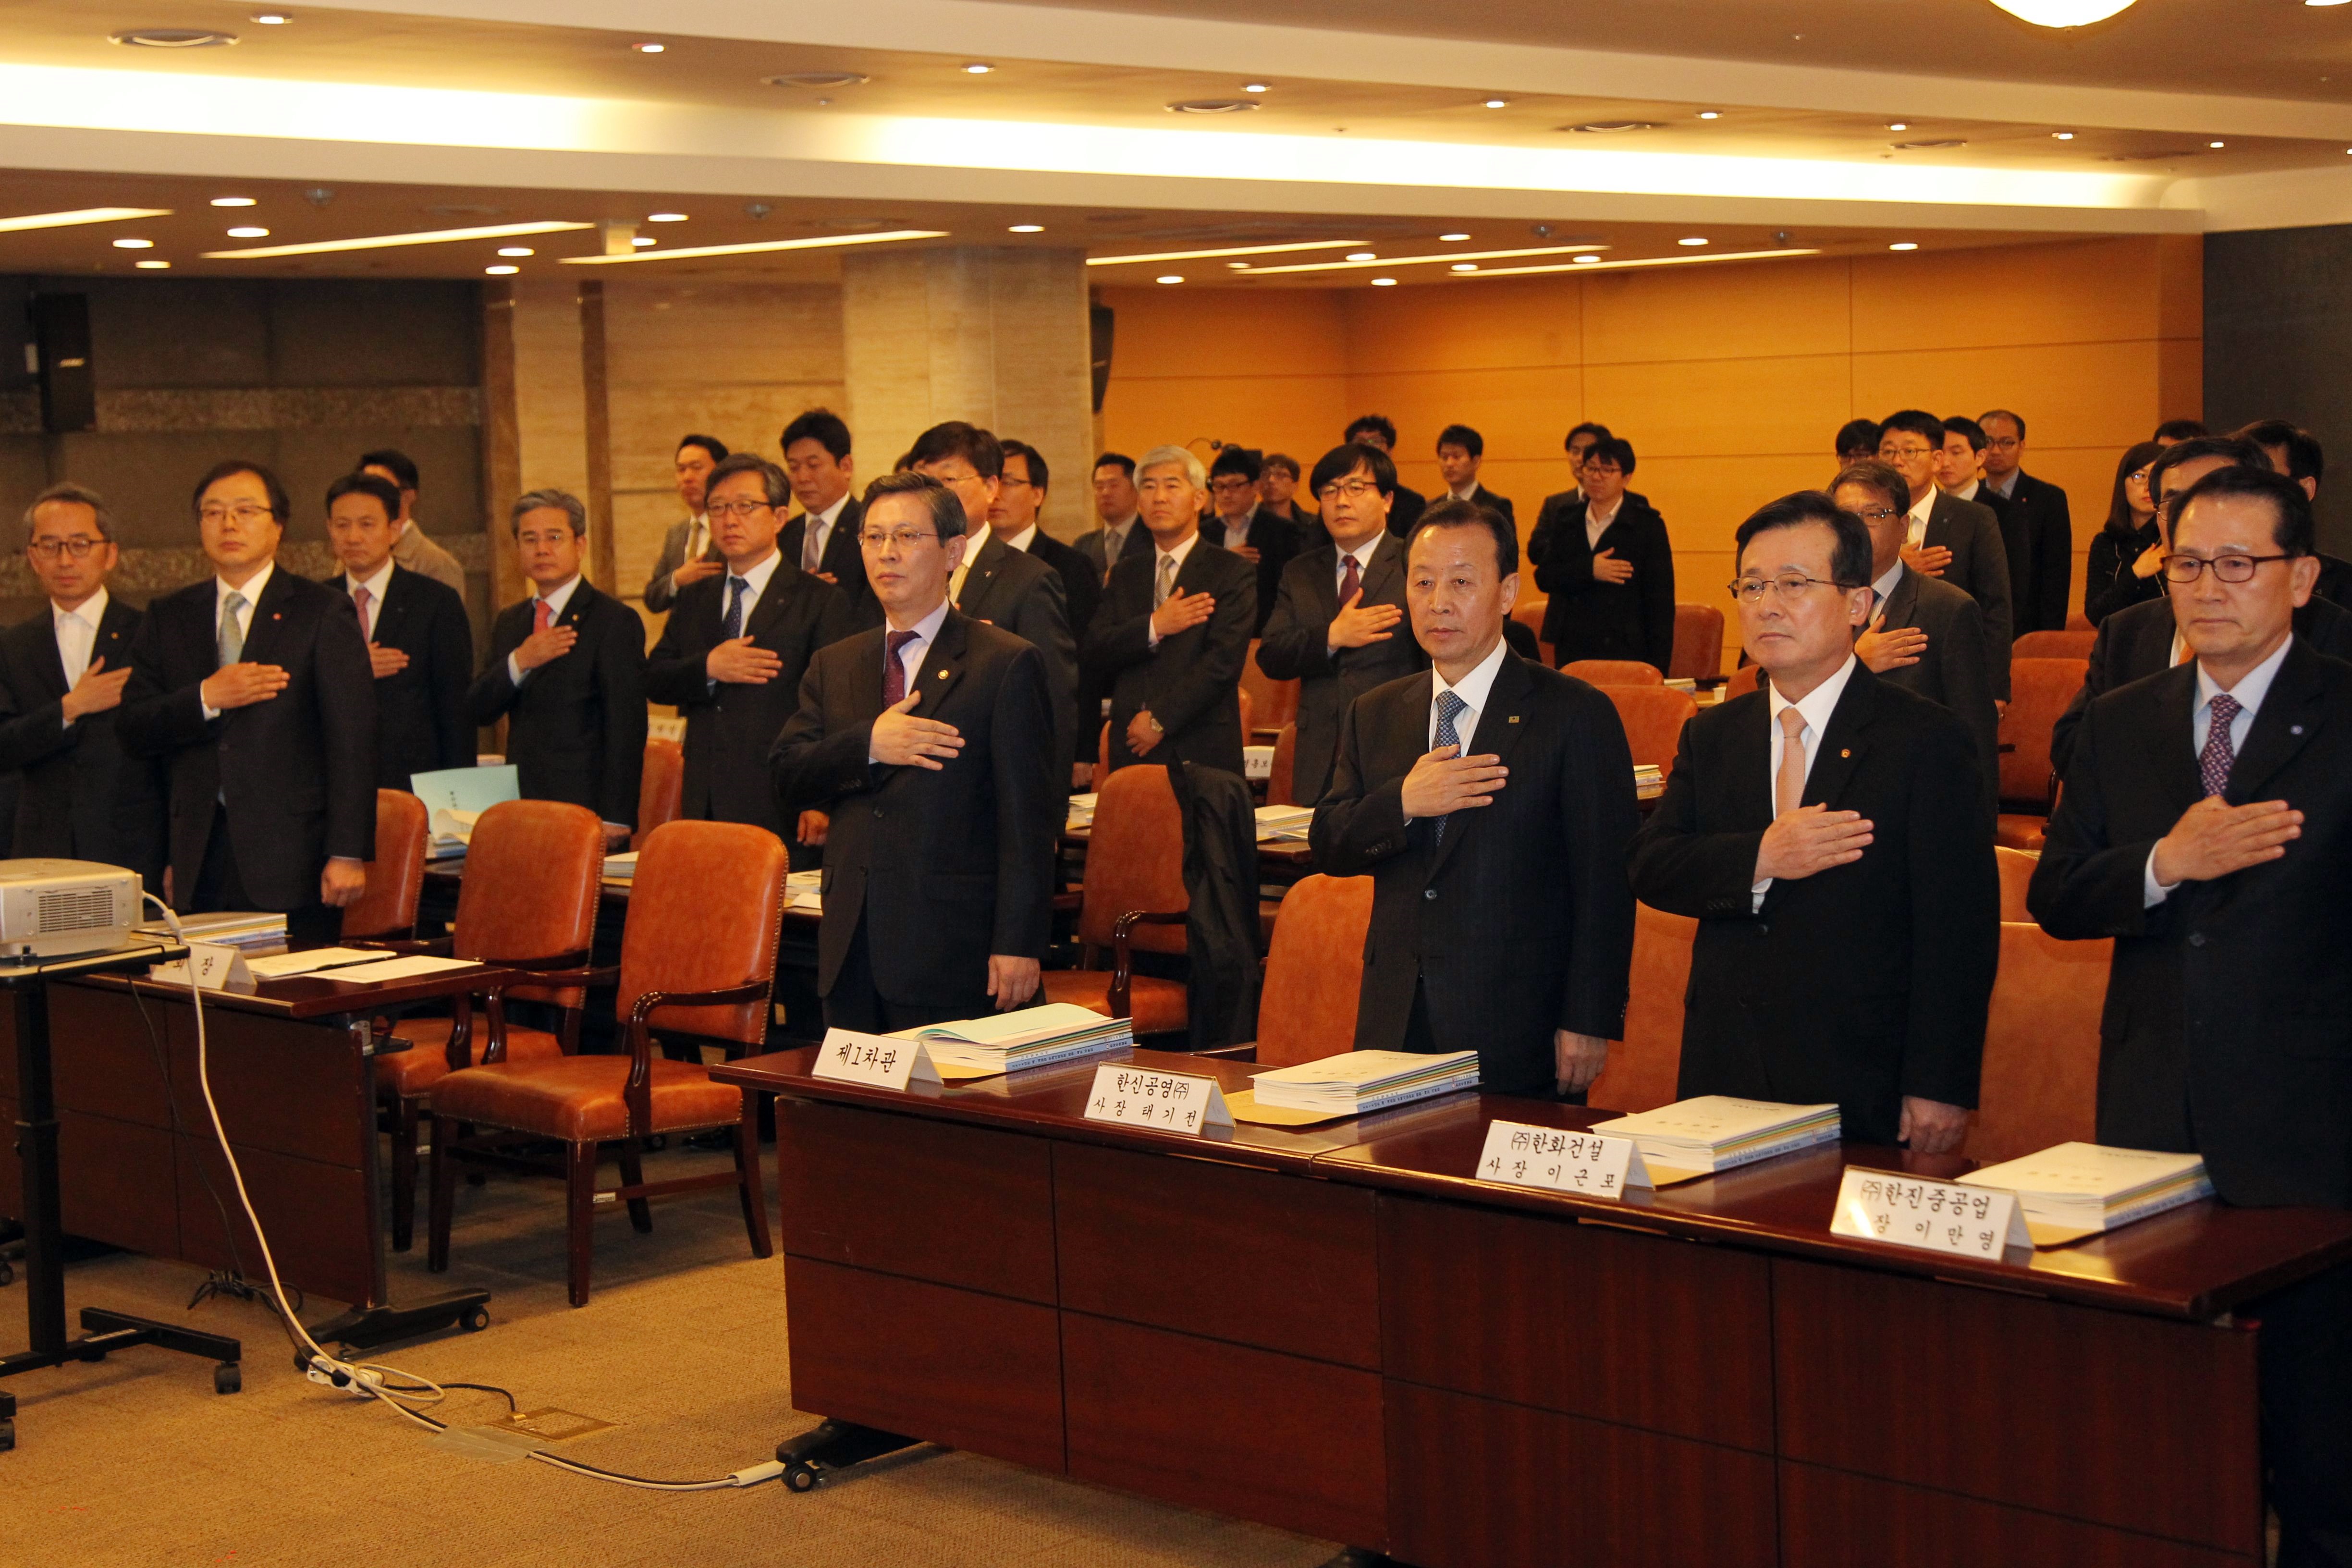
(1514, 718)
(1845, 752)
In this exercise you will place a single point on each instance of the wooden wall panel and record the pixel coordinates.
(1715, 313)
(1521, 325)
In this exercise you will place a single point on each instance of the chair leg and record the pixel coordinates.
(633, 1175)
(437, 1223)
(747, 1177)
(580, 1213)
(407, 1110)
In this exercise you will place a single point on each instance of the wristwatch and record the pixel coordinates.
(1151, 719)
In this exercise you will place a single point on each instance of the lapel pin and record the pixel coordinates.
(943, 675)
(2294, 730)
(1844, 752)
(276, 617)
(1514, 718)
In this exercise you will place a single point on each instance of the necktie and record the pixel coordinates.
(361, 599)
(812, 547)
(1351, 581)
(731, 627)
(232, 635)
(543, 615)
(1789, 787)
(1167, 580)
(894, 669)
(2214, 762)
(1449, 707)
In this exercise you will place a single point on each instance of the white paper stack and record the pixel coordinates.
(310, 961)
(2075, 1190)
(620, 867)
(1715, 1132)
(1082, 811)
(1649, 779)
(804, 891)
(1682, 683)
(1025, 1038)
(228, 928)
(1285, 824)
(1356, 1082)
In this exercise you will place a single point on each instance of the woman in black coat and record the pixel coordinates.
(2109, 579)
(1613, 598)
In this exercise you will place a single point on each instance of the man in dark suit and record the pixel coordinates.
(61, 679)
(1020, 498)
(419, 643)
(2207, 827)
(1407, 505)
(567, 672)
(1116, 505)
(1924, 635)
(929, 741)
(1831, 834)
(410, 546)
(1174, 627)
(1238, 523)
(2298, 454)
(686, 555)
(1960, 475)
(1491, 802)
(733, 654)
(1605, 559)
(254, 686)
(1460, 453)
(1338, 623)
(821, 540)
(2042, 561)
(1955, 540)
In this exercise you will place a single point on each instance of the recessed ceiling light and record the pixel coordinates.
(2062, 135)
(1610, 127)
(642, 241)
(232, 201)
(2324, 3)
(1222, 252)
(1212, 106)
(1898, 125)
(1692, 240)
(1170, 277)
(1255, 87)
(1435, 258)
(816, 79)
(134, 245)
(1383, 282)
(1710, 114)
(978, 68)
(502, 270)
(665, 217)
(689, 252)
(2215, 145)
(2062, 13)
(98, 214)
(248, 231)
(515, 250)
(1497, 102)
(1584, 261)
(1904, 245)
(648, 47)
(1463, 266)
(1026, 228)
(172, 39)
(1452, 238)
(1238, 266)
(151, 264)
(272, 19)
(1363, 256)
(385, 241)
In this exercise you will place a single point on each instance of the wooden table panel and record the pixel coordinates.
(1833, 1519)
(320, 1218)
(1218, 1250)
(302, 1089)
(110, 1051)
(116, 1183)
(1646, 1331)
(12, 1170)
(951, 1366)
(2108, 1417)
(958, 1205)
(1279, 1439)
(1476, 1483)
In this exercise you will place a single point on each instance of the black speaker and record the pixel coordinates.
(1102, 320)
(61, 338)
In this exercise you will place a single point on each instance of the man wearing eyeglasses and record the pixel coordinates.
(255, 689)
(1832, 832)
(2041, 574)
(1243, 526)
(61, 679)
(1949, 537)
(2207, 827)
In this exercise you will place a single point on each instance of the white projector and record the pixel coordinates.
(49, 909)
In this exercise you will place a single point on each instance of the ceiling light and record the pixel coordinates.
(151, 266)
(2324, 3)
(1693, 240)
(248, 231)
(1253, 86)
(1935, 146)
(1026, 228)
(1212, 106)
(232, 201)
(1226, 250)
(1170, 277)
(978, 68)
(90, 214)
(172, 39)
(1463, 266)
(1496, 102)
(816, 79)
(515, 250)
(665, 217)
(815, 242)
(1710, 114)
(2062, 135)
(642, 241)
(1238, 266)
(1351, 266)
(1383, 282)
(2215, 145)
(2062, 13)
(1594, 263)
(272, 19)
(1904, 245)
(1898, 125)
(1452, 238)
(1363, 256)
(1610, 127)
(386, 241)
(1584, 261)
(506, 270)
(648, 48)
(134, 245)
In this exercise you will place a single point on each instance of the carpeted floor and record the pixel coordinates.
(135, 1461)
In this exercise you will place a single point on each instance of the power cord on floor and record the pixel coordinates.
(374, 1380)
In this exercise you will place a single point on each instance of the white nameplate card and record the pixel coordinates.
(1518, 1154)
(1937, 1217)
(217, 965)
(1166, 1101)
(848, 1057)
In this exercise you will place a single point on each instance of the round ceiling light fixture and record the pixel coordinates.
(1170, 277)
(2062, 136)
(648, 47)
(1257, 86)
(1710, 114)
(134, 245)
(1212, 106)
(501, 271)
(1904, 245)
(1694, 240)
(1383, 282)
(1463, 266)
(248, 231)
(1612, 127)
(1584, 261)
(232, 201)
(172, 39)
(1452, 238)
(1363, 256)
(151, 266)
(2064, 13)
(1025, 228)
(515, 250)
(271, 18)
(1498, 103)
(1898, 125)
(642, 241)
(665, 217)
(816, 80)
(978, 68)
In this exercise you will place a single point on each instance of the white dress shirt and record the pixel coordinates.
(1882, 589)
(251, 596)
(698, 542)
(1969, 493)
(375, 586)
(1816, 705)
(819, 533)
(1596, 521)
(2252, 687)
(556, 600)
(1152, 635)
(1023, 539)
(757, 576)
(911, 658)
(1473, 688)
(1916, 534)
(76, 634)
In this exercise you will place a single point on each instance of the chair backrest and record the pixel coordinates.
(2039, 691)
(1314, 971)
(661, 789)
(1282, 781)
(2067, 644)
(1135, 860)
(1249, 715)
(2079, 622)
(534, 870)
(1102, 755)
(706, 908)
(396, 876)
(1614, 671)
(1645, 1065)
(2016, 874)
(1742, 681)
(2040, 1083)
(1654, 717)
(1699, 642)
(1529, 612)
(1273, 702)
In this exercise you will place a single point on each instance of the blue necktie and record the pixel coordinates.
(731, 627)
(1449, 707)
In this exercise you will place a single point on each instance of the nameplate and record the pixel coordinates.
(1164, 1101)
(218, 966)
(876, 1060)
(1520, 1155)
(1935, 1216)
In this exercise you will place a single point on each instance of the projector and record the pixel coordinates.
(50, 909)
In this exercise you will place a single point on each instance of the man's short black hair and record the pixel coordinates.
(2180, 430)
(2293, 529)
(1969, 428)
(1039, 475)
(1850, 558)
(712, 445)
(1871, 474)
(1379, 424)
(375, 484)
(956, 438)
(1120, 460)
(947, 508)
(1463, 437)
(393, 461)
(1858, 436)
(280, 507)
(1918, 421)
(1598, 432)
(1613, 449)
(1242, 460)
(773, 483)
(1452, 513)
(1989, 415)
(1342, 460)
(1285, 462)
(822, 426)
(2305, 458)
(2228, 449)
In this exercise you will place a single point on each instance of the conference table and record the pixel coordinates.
(1337, 1329)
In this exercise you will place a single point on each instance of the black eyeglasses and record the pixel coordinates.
(75, 549)
(1788, 585)
(2226, 568)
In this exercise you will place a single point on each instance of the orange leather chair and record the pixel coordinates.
(1654, 717)
(1314, 972)
(2040, 689)
(697, 961)
(1529, 612)
(1742, 681)
(529, 899)
(1281, 780)
(1698, 642)
(1645, 1065)
(1272, 703)
(2054, 645)
(395, 877)
(1134, 900)
(661, 789)
(2040, 1083)
(1614, 671)
(2016, 874)
(2079, 622)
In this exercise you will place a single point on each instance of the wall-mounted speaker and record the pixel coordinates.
(61, 339)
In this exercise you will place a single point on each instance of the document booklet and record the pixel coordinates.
(408, 968)
(1285, 824)
(804, 891)
(620, 867)
(1715, 1132)
(2075, 1190)
(1355, 1082)
(229, 928)
(1082, 810)
(457, 796)
(1025, 1038)
(279, 965)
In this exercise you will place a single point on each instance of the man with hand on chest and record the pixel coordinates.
(419, 645)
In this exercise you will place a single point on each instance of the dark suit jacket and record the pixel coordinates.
(2108, 582)
(81, 797)
(1519, 923)
(2040, 539)
(1022, 594)
(1487, 497)
(576, 725)
(1956, 670)
(2228, 1027)
(1405, 507)
(1591, 619)
(297, 774)
(420, 712)
(944, 868)
(1191, 681)
(2136, 642)
(1277, 544)
(1091, 546)
(658, 591)
(1297, 647)
(1980, 569)
(731, 727)
(842, 558)
(1862, 984)
(1081, 583)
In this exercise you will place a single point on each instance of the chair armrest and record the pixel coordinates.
(637, 1092)
(749, 990)
(1122, 958)
(1244, 1052)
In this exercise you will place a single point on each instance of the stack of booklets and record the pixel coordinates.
(620, 867)
(804, 891)
(1025, 1038)
(241, 931)
(1649, 779)
(1357, 1082)
(456, 797)
(2076, 1190)
(1285, 824)
(1715, 1132)
(1082, 811)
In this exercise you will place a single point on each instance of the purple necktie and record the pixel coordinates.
(1351, 581)
(2214, 761)
(894, 671)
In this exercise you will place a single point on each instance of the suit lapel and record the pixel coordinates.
(2291, 715)
(977, 581)
(1902, 606)
(1750, 772)
(394, 612)
(265, 629)
(774, 601)
(1387, 565)
(1500, 724)
(113, 644)
(1843, 740)
(48, 665)
(943, 666)
(2176, 707)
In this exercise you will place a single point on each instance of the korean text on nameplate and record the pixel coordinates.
(848, 1057)
(1937, 1217)
(1520, 1154)
(1164, 1101)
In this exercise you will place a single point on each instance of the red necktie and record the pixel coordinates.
(541, 614)
(1351, 582)
(894, 668)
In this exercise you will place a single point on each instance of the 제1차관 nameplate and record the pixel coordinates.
(1937, 1217)
(848, 1057)
(1163, 1102)
(1520, 1154)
